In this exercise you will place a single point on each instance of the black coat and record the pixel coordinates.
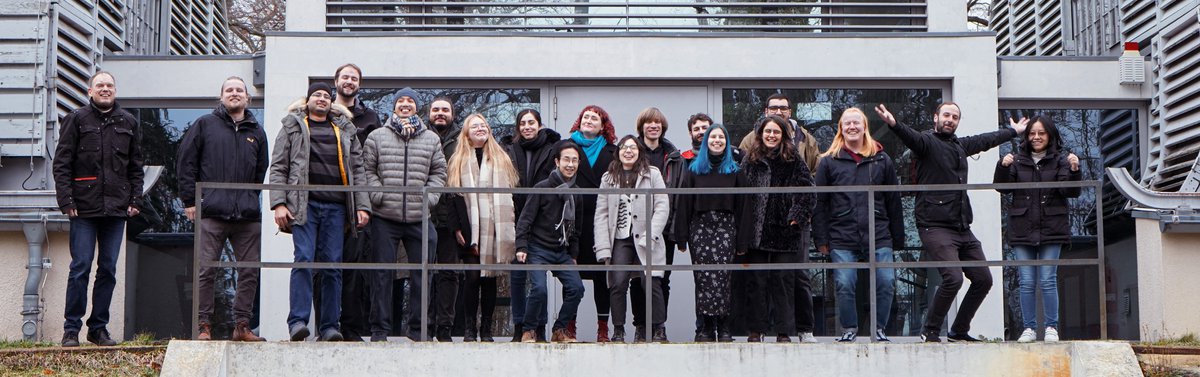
(442, 210)
(542, 216)
(215, 149)
(588, 176)
(98, 162)
(534, 160)
(365, 120)
(840, 218)
(942, 159)
(772, 214)
(1039, 216)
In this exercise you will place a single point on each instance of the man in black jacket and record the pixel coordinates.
(355, 297)
(444, 292)
(227, 145)
(944, 217)
(98, 181)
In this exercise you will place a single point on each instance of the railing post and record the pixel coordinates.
(648, 276)
(1100, 264)
(873, 263)
(197, 250)
(425, 264)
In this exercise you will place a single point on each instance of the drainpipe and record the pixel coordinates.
(35, 234)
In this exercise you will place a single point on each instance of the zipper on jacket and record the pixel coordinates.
(404, 195)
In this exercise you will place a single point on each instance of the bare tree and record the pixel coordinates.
(249, 20)
(979, 13)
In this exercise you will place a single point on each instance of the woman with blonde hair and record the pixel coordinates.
(840, 218)
(479, 161)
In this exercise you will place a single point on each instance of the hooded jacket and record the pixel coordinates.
(1039, 216)
(543, 223)
(650, 247)
(840, 218)
(98, 162)
(217, 149)
(290, 161)
(395, 159)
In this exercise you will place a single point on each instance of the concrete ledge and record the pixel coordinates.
(1092, 359)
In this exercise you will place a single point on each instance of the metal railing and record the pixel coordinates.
(425, 267)
(626, 15)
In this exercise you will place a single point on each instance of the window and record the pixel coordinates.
(499, 106)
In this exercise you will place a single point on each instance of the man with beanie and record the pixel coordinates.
(98, 179)
(316, 146)
(402, 153)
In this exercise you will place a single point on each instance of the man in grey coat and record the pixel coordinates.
(316, 145)
(402, 153)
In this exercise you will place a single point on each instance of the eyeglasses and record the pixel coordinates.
(778, 108)
(629, 147)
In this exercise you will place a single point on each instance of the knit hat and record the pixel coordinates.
(410, 93)
(319, 86)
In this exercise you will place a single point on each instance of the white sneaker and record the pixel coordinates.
(807, 337)
(1028, 336)
(1051, 334)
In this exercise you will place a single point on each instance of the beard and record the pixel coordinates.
(347, 93)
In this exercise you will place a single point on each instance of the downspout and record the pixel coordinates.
(35, 235)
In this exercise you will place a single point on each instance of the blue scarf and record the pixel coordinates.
(591, 147)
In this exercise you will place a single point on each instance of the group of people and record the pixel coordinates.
(331, 138)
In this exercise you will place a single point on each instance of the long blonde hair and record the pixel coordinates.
(464, 153)
(869, 147)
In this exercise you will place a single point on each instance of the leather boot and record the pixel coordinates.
(242, 333)
(705, 333)
(602, 331)
(205, 331)
(618, 334)
(723, 335)
(660, 334)
(485, 331)
(570, 329)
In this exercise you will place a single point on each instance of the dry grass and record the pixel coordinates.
(140, 356)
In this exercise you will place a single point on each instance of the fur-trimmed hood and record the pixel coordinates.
(335, 110)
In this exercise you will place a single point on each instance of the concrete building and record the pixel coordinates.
(721, 60)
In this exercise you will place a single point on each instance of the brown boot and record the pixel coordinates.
(602, 331)
(562, 336)
(529, 337)
(205, 331)
(242, 333)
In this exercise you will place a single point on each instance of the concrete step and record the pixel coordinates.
(221, 358)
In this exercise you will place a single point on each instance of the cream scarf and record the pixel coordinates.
(493, 226)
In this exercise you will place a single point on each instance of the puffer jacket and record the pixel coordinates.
(98, 162)
(290, 160)
(392, 160)
(1039, 216)
(650, 247)
(840, 218)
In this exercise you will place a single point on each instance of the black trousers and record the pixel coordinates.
(944, 244)
(625, 253)
(356, 303)
(478, 291)
(637, 293)
(771, 294)
(445, 283)
(386, 235)
(804, 302)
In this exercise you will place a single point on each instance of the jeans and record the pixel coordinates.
(1046, 278)
(319, 239)
(845, 282)
(385, 238)
(945, 244)
(572, 287)
(85, 234)
(519, 291)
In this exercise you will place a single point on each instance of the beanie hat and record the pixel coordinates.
(410, 93)
(319, 86)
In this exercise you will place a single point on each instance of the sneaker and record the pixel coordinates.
(298, 332)
(100, 338)
(205, 332)
(381, 337)
(880, 336)
(961, 338)
(70, 339)
(848, 336)
(807, 337)
(562, 336)
(931, 336)
(1051, 335)
(1027, 336)
(330, 335)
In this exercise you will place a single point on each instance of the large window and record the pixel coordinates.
(499, 106)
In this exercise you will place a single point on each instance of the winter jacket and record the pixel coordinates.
(589, 177)
(533, 159)
(650, 247)
(942, 159)
(806, 144)
(772, 214)
(216, 149)
(542, 221)
(365, 119)
(440, 213)
(676, 163)
(1039, 216)
(840, 218)
(290, 162)
(98, 162)
(392, 160)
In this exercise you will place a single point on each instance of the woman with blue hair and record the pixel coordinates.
(710, 224)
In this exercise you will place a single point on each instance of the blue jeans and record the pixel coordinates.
(572, 287)
(85, 234)
(320, 238)
(1046, 278)
(846, 280)
(518, 290)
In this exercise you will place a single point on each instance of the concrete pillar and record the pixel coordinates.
(1167, 281)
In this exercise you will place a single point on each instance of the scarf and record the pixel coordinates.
(523, 156)
(568, 216)
(591, 147)
(415, 126)
(493, 226)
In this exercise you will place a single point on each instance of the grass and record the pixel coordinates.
(6, 344)
(140, 356)
(1189, 340)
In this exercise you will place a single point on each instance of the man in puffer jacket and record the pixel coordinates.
(402, 153)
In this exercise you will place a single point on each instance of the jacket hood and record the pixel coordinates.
(335, 110)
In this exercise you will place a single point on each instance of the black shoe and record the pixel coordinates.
(639, 334)
(954, 338)
(100, 338)
(931, 336)
(330, 335)
(618, 335)
(754, 338)
(443, 334)
(660, 334)
(470, 336)
(351, 336)
(70, 339)
(541, 334)
(485, 334)
(379, 337)
(298, 332)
